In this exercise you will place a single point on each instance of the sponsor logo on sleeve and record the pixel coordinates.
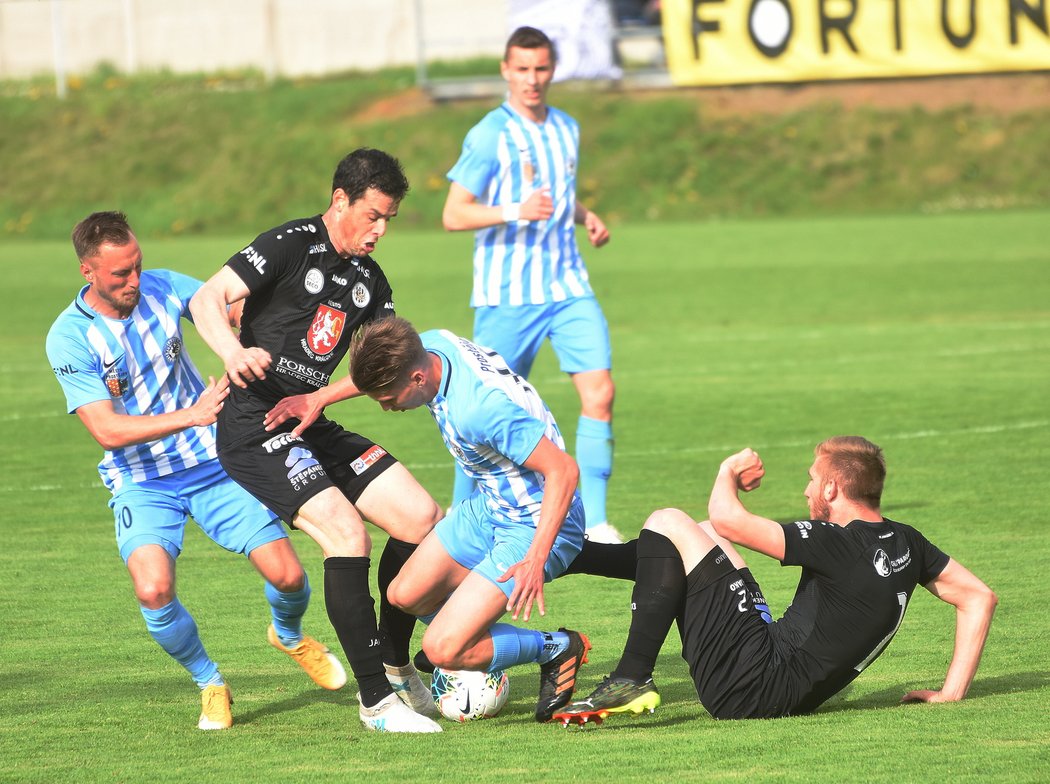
(804, 527)
(255, 258)
(881, 562)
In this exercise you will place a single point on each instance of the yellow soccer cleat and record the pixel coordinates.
(215, 708)
(315, 659)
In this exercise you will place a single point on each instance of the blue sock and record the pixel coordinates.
(594, 454)
(511, 645)
(176, 632)
(287, 611)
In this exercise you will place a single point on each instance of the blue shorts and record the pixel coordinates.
(476, 541)
(577, 329)
(155, 512)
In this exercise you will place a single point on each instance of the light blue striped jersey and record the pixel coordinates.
(505, 158)
(139, 364)
(491, 420)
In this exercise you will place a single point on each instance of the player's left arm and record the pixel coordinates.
(597, 233)
(561, 475)
(974, 604)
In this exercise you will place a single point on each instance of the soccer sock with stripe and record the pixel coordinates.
(351, 609)
(511, 645)
(395, 625)
(657, 600)
(594, 454)
(287, 610)
(176, 632)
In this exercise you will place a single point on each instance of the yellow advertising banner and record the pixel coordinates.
(711, 42)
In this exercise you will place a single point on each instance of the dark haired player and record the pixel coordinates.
(307, 285)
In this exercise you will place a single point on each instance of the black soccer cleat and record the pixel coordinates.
(558, 676)
(613, 695)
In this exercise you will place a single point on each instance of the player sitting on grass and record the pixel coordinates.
(494, 551)
(858, 573)
(117, 352)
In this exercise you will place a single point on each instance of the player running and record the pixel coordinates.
(118, 354)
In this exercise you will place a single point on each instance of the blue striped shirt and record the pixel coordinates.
(491, 420)
(505, 158)
(138, 364)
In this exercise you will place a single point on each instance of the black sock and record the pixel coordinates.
(606, 560)
(422, 663)
(657, 600)
(395, 625)
(351, 609)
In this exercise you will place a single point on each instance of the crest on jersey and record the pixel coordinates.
(360, 295)
(172, 349)
(881, 562)
(325, 330)
(116, 379)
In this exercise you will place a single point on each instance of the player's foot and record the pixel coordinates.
(215, 708)
(392, 715)
(410, 688)
(603, 533)
(613, 695)
(315, 659)
(558, 676)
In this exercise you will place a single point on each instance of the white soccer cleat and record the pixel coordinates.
(603, 533)
(392, 715)
(407, 685)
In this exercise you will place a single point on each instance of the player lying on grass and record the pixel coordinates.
(117, 352)
(858, 573)
(494, 551)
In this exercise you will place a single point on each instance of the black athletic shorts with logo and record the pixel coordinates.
(285, 471)
(727, 643)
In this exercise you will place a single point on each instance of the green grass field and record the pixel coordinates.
(929, 335)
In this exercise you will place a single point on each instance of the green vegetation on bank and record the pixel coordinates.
(232, 154)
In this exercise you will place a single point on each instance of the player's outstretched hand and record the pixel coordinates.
(528, 588)
(747, 467)
(210, 403)
(925, 695)
(248, 364)
(305, 408)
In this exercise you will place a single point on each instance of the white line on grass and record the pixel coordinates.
(978, 430)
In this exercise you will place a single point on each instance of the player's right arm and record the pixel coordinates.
(209, 307)
(116, 431)
(463, 212)
(743, 471)
(974, 604)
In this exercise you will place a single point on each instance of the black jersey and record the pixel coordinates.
(304, 304)
(855, 586)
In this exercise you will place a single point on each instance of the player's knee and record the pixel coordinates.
(290, 579)
(154, 594)
(442, 651)
(597, 399)
(667, 522)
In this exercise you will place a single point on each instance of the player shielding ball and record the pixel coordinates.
(118, 354)
(859, 570)
(494, 551)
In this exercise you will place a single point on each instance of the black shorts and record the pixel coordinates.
(727, 643)
(284, 471)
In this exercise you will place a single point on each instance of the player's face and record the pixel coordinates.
(113, 276)
(357, 227)
(411, 395)
(528, 73)
(818, 507)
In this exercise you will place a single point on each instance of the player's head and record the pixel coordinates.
(389, 364)
(367, 189)
(110, 261)
(855, 466)
(528, 67)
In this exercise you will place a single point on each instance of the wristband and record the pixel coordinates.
(511, 213)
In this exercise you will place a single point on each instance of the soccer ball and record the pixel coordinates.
(464, 695)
